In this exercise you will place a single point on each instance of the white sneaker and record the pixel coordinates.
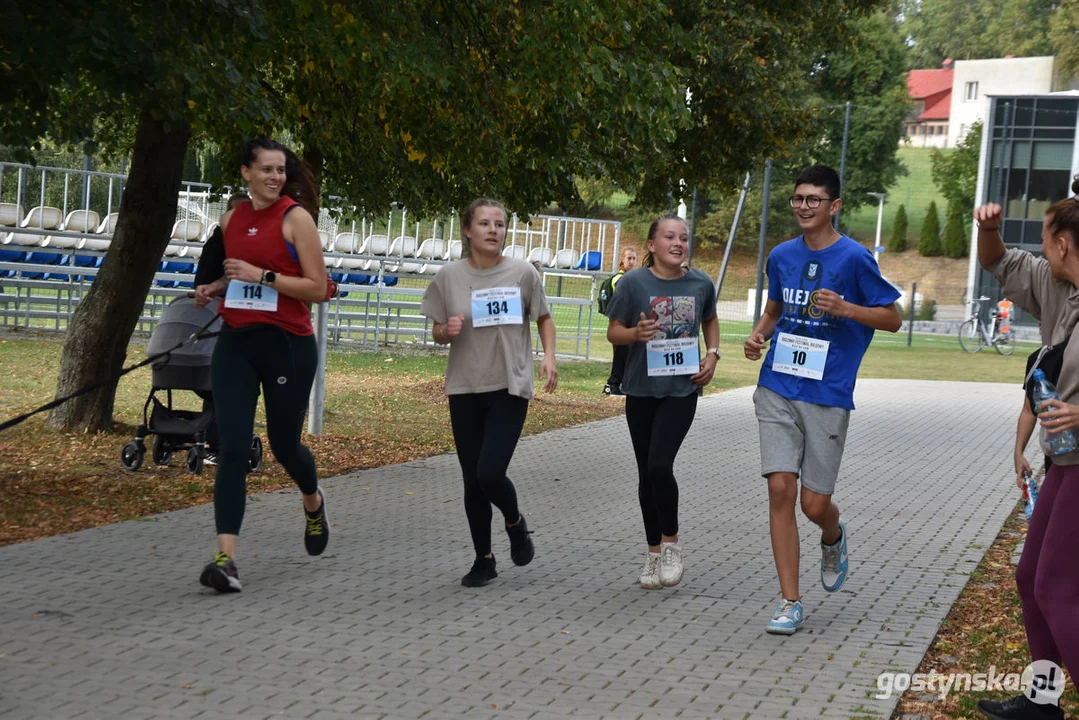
(670, 569)
(650, 575)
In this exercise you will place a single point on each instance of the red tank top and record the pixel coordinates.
(257, 236)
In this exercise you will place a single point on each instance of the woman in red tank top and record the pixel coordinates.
(273, 271)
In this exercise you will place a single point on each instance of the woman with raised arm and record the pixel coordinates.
(1047, 579)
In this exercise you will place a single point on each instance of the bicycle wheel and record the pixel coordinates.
(1005, 343)
(969, 338)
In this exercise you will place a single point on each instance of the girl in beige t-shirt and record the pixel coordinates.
(481, 307)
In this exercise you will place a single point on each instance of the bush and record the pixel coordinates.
(897, 243)
(955, 243)
(927, 310)
(929, 241)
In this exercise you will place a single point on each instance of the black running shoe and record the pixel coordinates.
(1019, 707)
(316, 534)
(521, 548)
(221, 574)
(482, 572)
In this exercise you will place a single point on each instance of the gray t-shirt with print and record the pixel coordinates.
(496, 356)
(679, 306)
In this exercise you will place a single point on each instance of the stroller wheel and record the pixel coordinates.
(194, 461)
(160, 450)
(254, 458)
(131, 455)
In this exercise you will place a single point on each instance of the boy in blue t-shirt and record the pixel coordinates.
(826, 296)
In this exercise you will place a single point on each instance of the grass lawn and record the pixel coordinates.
(381, 408)
(915, 190)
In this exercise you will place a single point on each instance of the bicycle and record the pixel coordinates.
(976, 333)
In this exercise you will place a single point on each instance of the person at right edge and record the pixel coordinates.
(826, 297)
(1046, 577)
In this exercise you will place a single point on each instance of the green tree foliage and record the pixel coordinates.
(866, 69)
(929, 240)
(897, 243)
(1063, 30)
(869, 72)
(956, 242)
(955, 172)
(972, 29)
(116, 75)
(428, 103)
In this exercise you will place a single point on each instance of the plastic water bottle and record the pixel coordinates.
(1031, 491)
(1059, 442)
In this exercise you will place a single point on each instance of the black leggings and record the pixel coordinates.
(486, 428)
(657, 427)
(618, 364)
(284, 365)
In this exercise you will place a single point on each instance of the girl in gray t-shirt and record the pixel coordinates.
(659, 311)
(482, 306)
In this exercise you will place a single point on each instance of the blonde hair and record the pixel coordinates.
(622, 257)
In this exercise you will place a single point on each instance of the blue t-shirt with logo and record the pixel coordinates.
(814, 356)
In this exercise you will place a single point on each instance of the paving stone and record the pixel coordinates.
(111, 622)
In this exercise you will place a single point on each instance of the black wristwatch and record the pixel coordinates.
(268, 277)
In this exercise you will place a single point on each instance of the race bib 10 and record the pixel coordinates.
(800, 356)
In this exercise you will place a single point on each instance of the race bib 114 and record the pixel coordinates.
(250, 296)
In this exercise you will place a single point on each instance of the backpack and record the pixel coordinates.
(606, 291)
(1048, 359)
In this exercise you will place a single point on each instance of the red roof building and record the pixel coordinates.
(931, 92)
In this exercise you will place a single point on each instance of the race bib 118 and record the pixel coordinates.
(677, 356)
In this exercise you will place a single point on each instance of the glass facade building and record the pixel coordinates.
(1028, 159)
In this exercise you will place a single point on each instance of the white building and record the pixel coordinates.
(973, 80)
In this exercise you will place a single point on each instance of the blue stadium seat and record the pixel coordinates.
(44, 258)
(89, 261)
(358, 279)
(591, 260)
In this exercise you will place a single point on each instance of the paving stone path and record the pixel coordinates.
(112, 623)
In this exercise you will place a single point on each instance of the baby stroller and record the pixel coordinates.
(186, 368)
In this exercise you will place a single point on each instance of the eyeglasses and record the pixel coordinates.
(811, 201)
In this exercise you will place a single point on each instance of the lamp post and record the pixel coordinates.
(880, 217)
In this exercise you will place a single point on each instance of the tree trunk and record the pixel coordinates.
(101, 327)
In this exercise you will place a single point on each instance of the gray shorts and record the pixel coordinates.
(801, 438)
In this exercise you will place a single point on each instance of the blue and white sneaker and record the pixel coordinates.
(787, 618)
(833, 562)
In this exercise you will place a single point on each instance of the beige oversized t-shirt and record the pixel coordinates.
(1026, 281)
(497, 357)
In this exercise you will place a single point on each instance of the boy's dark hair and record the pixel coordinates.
(821, 176)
